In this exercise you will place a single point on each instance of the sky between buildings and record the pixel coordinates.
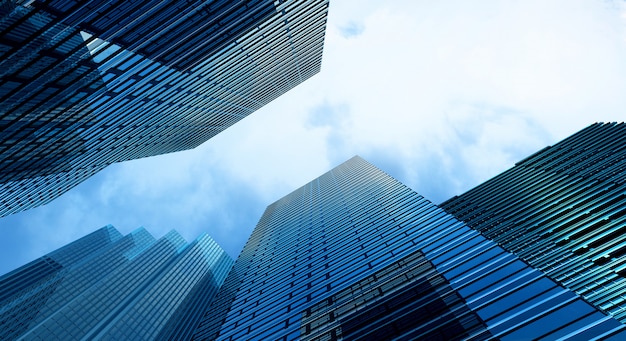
(441, 95)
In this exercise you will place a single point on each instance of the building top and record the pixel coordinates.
(356, 254)
(121, 287)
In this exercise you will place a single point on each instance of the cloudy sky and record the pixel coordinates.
(441, 95)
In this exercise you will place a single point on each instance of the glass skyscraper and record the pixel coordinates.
(356, 255)
(113, 287)
(84, 84)
(562, 210)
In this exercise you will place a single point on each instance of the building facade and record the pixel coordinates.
(84, 84)
(562, 210)
(355, 254)
(108, 286)
(352, 255)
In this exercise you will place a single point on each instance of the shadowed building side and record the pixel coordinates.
(88, 83)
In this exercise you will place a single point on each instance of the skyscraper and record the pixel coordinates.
(84, 84)
(110, 286)
(355, 254)
(562, 210)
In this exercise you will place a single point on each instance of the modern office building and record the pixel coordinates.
(355, 254)
(562, 210)
(112, 287)
(84, 84)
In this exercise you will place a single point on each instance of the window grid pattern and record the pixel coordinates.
(403, 296)
(80, 318)
(82, 87)
(16, 282)
(355, 222)
(35, 292)
(159, 303)
(562, 210)
(135, 285)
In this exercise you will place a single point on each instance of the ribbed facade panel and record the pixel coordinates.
(88, 83)
(355, 254)
(563, 210)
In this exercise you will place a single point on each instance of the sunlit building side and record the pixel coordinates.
(562, 210)
(356, 255)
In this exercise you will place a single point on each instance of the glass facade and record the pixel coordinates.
(113, 287)
(562, 210)
(84, 84)
(41, 270)
(355, 254)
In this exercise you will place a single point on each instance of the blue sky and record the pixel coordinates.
(441, 95)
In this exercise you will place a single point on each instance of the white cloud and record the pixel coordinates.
(445, 94)
(551, 68)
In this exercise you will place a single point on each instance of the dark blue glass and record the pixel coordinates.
(326, 262)
(562, 211)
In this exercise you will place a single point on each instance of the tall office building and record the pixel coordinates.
(562, 210)
(84, 84)
(355, 254)
(113, 287)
